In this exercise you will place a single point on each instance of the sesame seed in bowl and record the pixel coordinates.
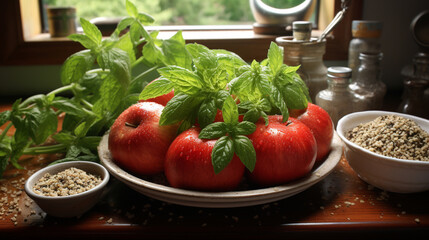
(387, 150)
(67, 189)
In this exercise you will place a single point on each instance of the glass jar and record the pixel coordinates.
(307, 52)
(367, 84)
(416, 82)
(366, 38)
(337, 100)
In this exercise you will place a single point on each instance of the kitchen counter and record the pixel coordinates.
(341, 206)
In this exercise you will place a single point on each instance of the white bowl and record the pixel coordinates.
(73, 205)
(387, 173)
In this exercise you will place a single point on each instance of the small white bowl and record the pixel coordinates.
(73, 205)
(387, 173)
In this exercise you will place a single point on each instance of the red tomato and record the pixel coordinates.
(137, 142)
(284, 151)
(320, 124)
(188, 165)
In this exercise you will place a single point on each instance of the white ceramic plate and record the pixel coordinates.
(221, 199)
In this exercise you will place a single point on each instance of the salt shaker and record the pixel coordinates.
(337, 100)
(367, 85)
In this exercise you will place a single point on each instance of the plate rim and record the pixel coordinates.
(221, 199)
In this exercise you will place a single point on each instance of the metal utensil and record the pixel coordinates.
(336, 20)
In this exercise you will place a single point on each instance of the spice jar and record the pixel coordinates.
(308, 53)
(337, 100)
(416, 81)
(366, 38)
(367, 84)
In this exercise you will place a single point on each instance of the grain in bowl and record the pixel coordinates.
(65, 183)
(392, 136)
(78, 185)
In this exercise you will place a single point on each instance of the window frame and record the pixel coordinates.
(23, 42)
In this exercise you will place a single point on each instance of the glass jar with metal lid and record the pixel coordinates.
(337, 100)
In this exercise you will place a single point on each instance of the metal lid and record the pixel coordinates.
(339, 75)
(302, 30)
(341, 72)
(366, 29)
(371, 56)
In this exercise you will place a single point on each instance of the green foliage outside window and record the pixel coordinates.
(175, 12)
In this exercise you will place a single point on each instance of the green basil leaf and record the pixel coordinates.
(213, 131)
(5, 116)
(111, 94)
(124, 43)
(145, 18)
(244, 149)
(275, 58)
(252, 115)
(118, 62)
(64, 137)
(75, 67)
(247, 105)
(136, 31)
(220, 97)
(151, 53)
(68, 106)
(90, 142)
(156, 88)
(280, 103)
(84, 40)
(207, 112)
(178, 109)
(184, 80)
(244, 128)
(91, 31)
(196, 49)
(131, 9)
(73, 151)
(265, 105)
(5, 148)
(291, 69)
(296, 98)
(230, 111)
(124, 23)
(175, 52)
(222, 153)
(41, 123)
(84, 126)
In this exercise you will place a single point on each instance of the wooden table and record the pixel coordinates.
(341, 206)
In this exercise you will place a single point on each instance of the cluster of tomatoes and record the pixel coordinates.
(284, 151)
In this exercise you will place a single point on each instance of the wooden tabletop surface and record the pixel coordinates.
(341, 206)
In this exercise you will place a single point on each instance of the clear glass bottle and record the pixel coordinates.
(337, 100)
(366, 38)
(307, 52)
(367, 85)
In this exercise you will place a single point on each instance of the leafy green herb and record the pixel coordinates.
(103, 80)
(232, 139)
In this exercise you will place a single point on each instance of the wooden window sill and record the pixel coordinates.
(25, 46)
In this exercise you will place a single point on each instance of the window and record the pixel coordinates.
(25, 43)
